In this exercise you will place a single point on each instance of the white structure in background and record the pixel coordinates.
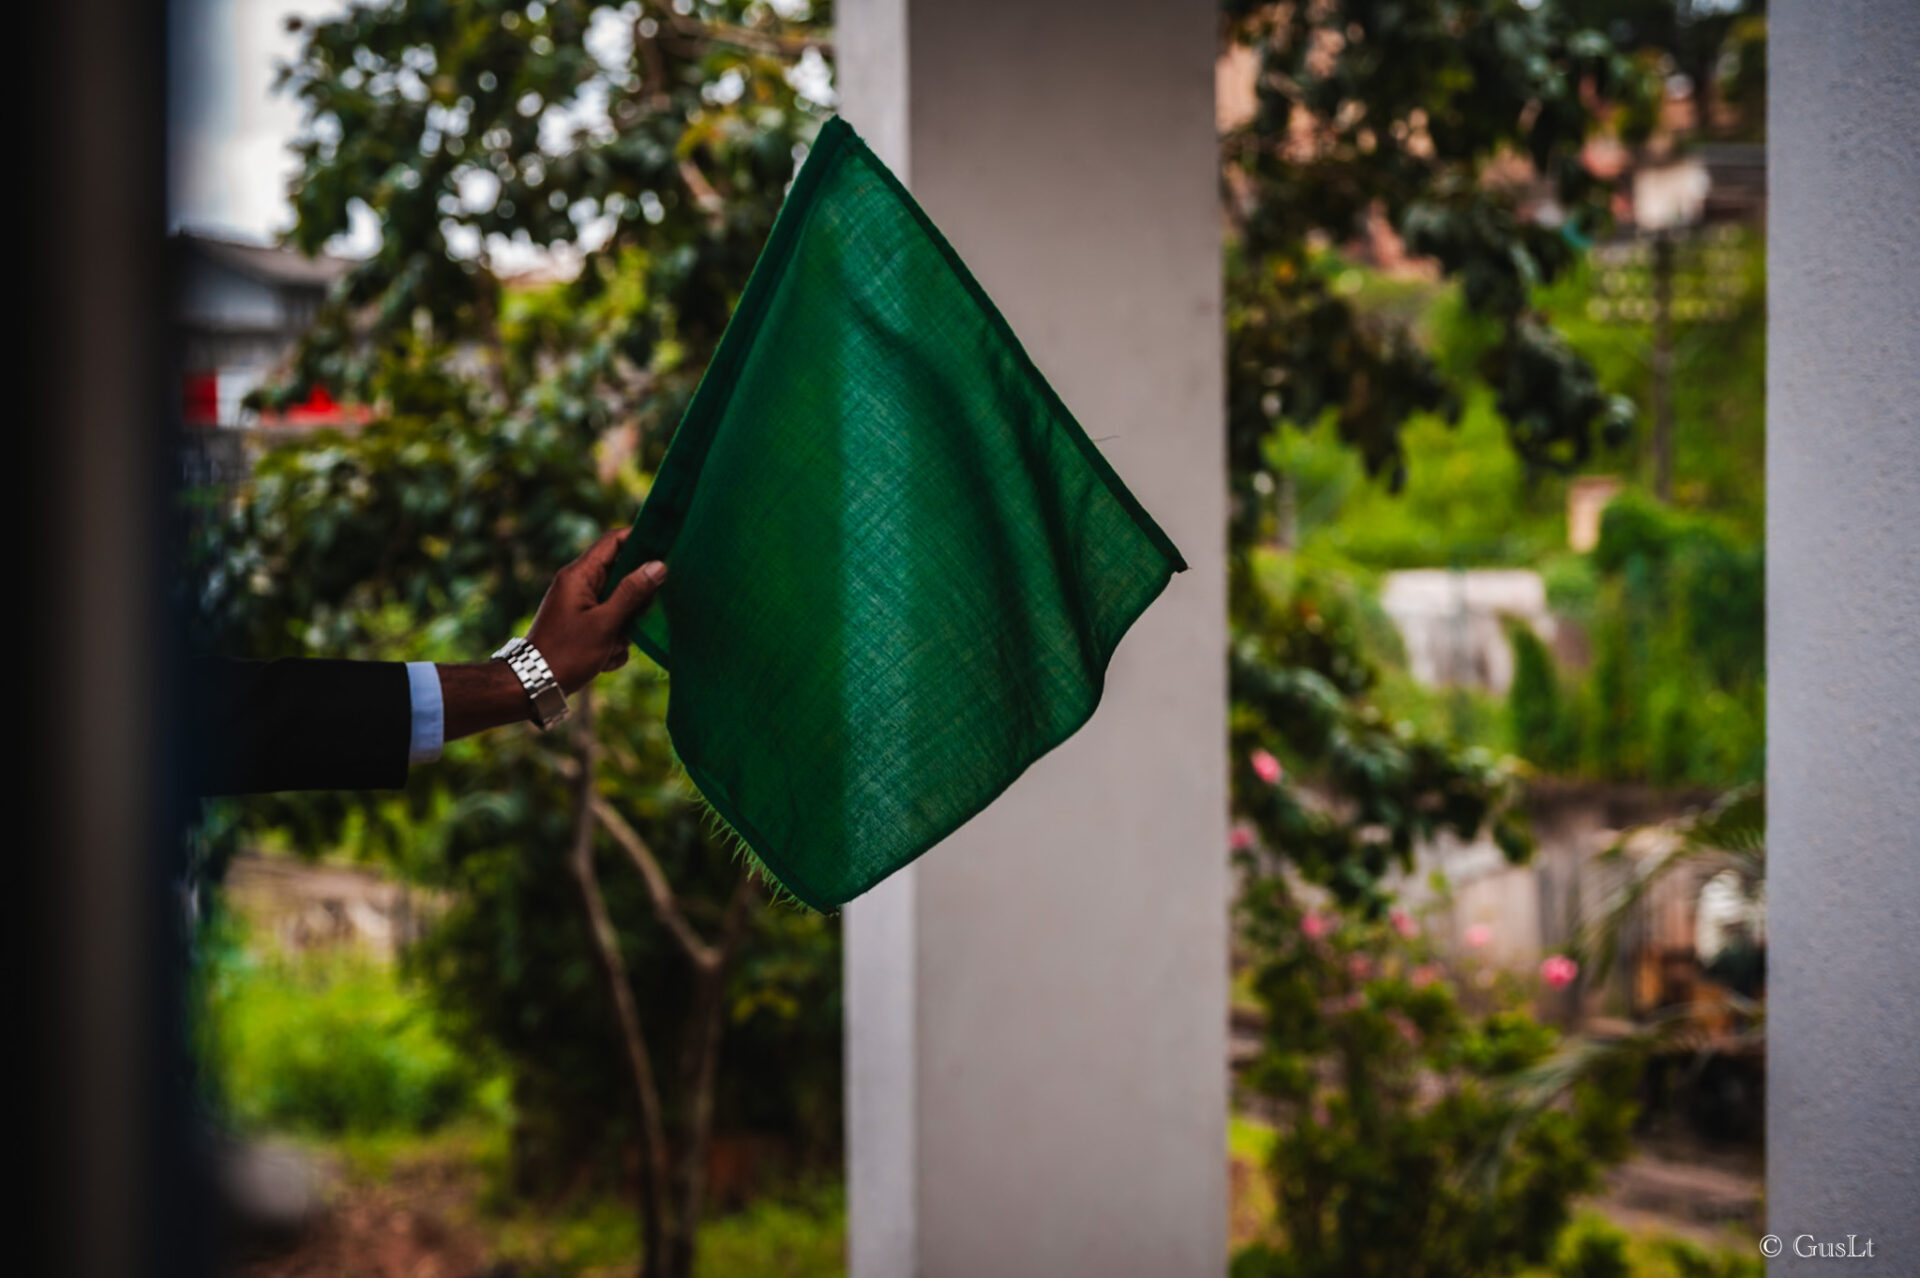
(1671, 196)
(241, 309)
(1453, 622)
(1037, 1009)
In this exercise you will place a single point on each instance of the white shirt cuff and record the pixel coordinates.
(429, 713)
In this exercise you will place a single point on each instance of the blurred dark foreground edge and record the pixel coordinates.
(100, 1135)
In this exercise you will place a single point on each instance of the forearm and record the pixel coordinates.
(478, 695)
(576, 633)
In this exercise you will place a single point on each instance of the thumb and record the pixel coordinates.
(636, 590)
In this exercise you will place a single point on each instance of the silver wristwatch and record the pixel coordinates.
(549, 699)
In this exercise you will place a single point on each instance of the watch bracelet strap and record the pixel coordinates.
(544, 692)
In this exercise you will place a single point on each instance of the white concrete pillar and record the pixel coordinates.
(1036, 1011)
(1843, 631)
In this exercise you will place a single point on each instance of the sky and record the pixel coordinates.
(230, 133)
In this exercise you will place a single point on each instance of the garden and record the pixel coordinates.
(539, 1018)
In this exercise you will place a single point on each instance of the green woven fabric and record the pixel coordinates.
(897, 567)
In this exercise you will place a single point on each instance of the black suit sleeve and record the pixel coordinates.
(298, 725)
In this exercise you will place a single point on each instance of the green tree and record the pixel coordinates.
(600, 932)
(1413, 113)
(1719, 45)
(1432, 117)
(1675, 607)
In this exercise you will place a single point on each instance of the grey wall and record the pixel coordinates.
(1843, 618)
(1037, 1011)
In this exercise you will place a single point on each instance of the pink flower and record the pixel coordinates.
(1265, 766)
(1559, 971)
(1240, 838)
(1359, 967)
(1403, 924)
(1477, 936)
(1426, 974)
(1314, 926)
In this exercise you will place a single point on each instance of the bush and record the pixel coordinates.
(1423, 1129)
(1540, 724)
(1592, 1249)
(1689, 1260)
(1674, 605)
(1467, 498)
(326, 1043)
(799, 1235)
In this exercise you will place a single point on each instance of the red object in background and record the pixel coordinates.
(200, 402)
(317, 407)
(200, 405)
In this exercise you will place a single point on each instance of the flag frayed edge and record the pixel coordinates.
(721, 831)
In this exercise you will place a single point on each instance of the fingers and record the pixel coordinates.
(618, 659)
(636, 590)
(598, 557)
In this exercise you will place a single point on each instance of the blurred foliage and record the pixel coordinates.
(1675, 691)
(796, 1235)
(1412, 114)
(799, 1232)
(1718, 45)
(1468, 501)
(1377, 423)
(1412, 1137)
(650, 143)
(1719, 374)
(1590, 1249)
(1687, 1259)
(1301, 676)
(649, 147)
(1594, 1248)
(1406, 112)
(1468, 497)
(327, 1042)
(1729, 837)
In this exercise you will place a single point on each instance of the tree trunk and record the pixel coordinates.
(656, 1245)
(1663, 366)
(706, 1020)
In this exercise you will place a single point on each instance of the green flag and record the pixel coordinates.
(897, 565)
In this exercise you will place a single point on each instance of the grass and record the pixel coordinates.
(1592, 1246)
(1249, 1140)
(329, 1042)
(802, 1234)
(1250, 1211)
(333, 1049)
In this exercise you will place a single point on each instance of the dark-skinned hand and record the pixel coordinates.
(578, 634)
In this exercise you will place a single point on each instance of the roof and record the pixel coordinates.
(268, 263)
